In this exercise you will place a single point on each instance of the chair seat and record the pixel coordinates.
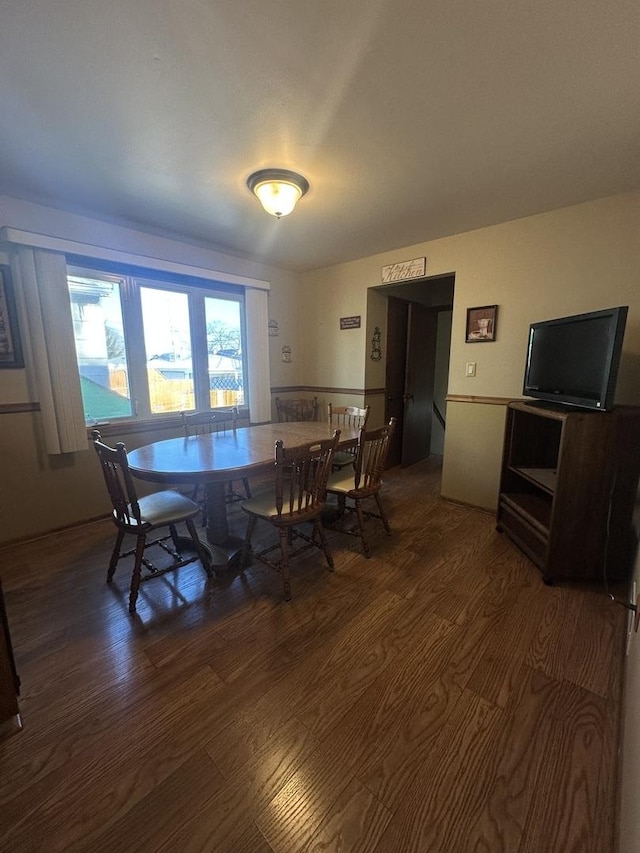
(166, 507)
(342, 459)
(263, 506)
(343, 483)
(371, 455)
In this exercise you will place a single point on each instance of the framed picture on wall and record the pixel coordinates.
(481, 324)
(10, 347)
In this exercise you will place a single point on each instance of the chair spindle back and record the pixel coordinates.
(371, 456)
(118, 479)
(302, 409)
(301, 478)
(347, 416)
(208, 422)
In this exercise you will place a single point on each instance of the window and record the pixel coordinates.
(148, 347)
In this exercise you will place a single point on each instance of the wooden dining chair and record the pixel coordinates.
(301, 409)
(296, 498)
(354, 486)
(339, 417)
(142, 516)
(219, 422)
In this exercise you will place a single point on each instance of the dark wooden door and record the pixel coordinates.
(411, 350)
(397, 316)
(418, 384)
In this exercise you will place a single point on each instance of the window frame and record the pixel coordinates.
(132, 280)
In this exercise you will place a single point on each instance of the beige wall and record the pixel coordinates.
(284, 309)
(567, 261)
(333, 357)
(473, 453)
(40, 493)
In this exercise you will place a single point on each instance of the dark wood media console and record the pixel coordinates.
(568, 487)
(9, 681)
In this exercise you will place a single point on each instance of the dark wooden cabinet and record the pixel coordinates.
(9, 681)
(568, 487)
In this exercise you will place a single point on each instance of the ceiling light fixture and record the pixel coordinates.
(278, 190)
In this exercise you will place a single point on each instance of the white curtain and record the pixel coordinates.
(42, 277)
(257, 317)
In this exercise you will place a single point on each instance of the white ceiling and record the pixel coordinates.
(411, 119)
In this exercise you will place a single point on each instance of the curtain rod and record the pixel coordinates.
(16, 236)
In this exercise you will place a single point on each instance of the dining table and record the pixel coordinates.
(215, 459)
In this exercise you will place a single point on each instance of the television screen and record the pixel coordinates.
(574, 360)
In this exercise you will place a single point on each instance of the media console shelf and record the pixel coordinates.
(567, 489)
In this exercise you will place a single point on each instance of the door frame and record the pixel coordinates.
(437, 294)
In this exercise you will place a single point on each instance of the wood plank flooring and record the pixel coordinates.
(436, 698)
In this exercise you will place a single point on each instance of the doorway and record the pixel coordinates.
(419, 318)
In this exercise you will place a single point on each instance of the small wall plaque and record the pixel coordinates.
(404, 270)
(350, 322)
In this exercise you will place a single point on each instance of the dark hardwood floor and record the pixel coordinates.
(437, 698)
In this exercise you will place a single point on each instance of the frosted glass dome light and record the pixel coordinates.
(278, 190)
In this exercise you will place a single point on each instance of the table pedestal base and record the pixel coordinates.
(227, 556)
(222, 558)
(225, 548)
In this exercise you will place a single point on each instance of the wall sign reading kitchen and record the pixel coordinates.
(404, 270)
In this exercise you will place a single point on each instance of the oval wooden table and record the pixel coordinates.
(215, 459)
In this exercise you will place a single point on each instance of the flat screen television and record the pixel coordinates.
(573, 361)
